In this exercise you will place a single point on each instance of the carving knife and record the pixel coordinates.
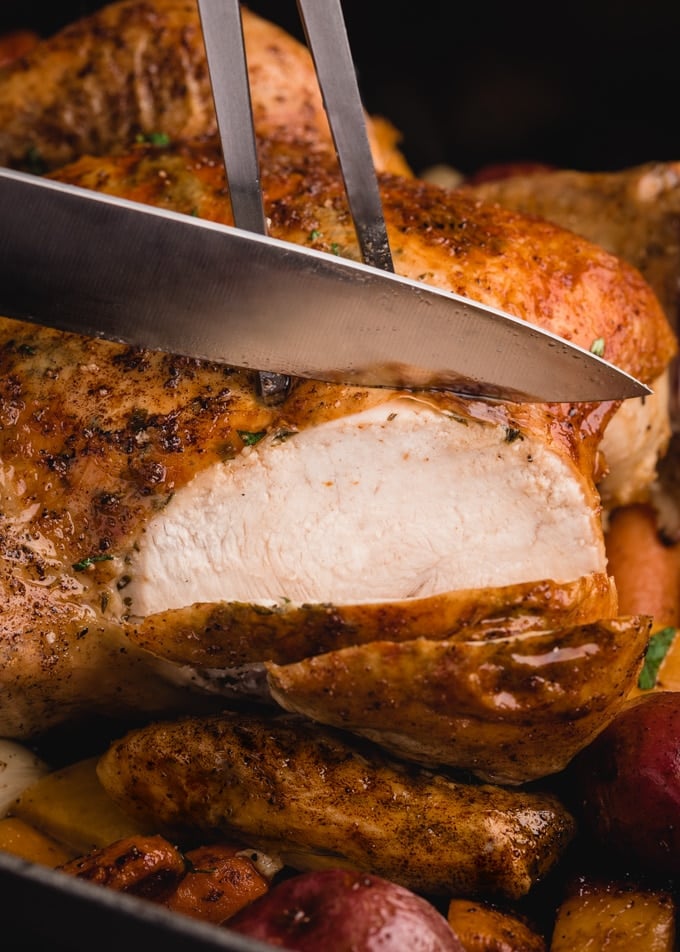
(86, 262)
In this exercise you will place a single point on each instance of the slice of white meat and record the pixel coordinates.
(398, 501)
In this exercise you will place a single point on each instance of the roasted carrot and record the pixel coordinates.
(147, 866)
(221, 880)
(645, 569)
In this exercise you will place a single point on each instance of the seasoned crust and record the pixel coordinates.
(138, 67)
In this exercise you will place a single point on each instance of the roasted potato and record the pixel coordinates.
(628, 784)
(340, 909)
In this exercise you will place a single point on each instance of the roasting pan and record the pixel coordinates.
(41, 908)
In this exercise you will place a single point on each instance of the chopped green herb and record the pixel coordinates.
(657, 649)
(314, 235)
(335, 248)
(597, 347)
(90, 560)
(154, 138)
(250, 439)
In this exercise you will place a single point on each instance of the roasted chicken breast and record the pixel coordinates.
(138, 68)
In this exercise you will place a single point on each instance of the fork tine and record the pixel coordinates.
(328, 42)
(227, 63)
(326, 33)
(225, 50)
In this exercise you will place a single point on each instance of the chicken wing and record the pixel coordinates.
(323, 801)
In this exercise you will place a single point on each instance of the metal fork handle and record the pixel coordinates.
(228, 66)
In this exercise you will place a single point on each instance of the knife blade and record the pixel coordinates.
(106, 267)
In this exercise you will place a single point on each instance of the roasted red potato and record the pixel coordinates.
(628, 784)
(339, 909)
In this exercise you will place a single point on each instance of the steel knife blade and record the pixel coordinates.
(105, 267)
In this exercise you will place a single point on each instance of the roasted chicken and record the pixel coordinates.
(173, 484)
(633, 213)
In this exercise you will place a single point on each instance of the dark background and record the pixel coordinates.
(592, 86)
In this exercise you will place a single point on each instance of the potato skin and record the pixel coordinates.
(628, 783)
(336, 909)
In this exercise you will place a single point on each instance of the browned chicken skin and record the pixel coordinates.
(531, 268)
(509, 708)
(635, 214)
(297, 789)
(138, 68)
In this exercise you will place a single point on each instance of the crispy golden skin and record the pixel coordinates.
(138, 68)
(231, 634)
(533, 269)
(291, 787)
(633, 213)
(510, 708)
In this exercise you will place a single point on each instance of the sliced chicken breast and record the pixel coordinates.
(403, 500)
